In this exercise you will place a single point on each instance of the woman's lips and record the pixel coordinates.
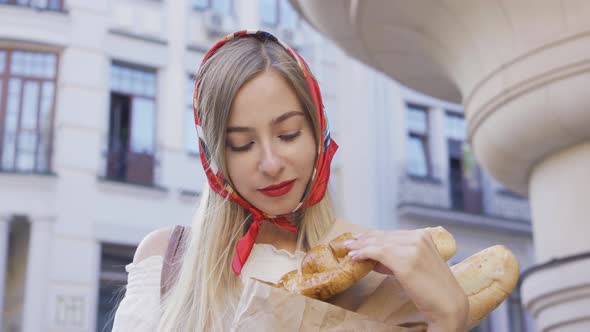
(279, 189)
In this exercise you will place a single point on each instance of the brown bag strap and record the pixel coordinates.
(173, 257)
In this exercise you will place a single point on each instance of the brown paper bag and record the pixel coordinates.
(265, 308)
(389, 303)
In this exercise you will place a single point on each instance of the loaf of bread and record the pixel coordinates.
(487, 277)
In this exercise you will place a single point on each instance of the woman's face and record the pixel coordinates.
(270, 146)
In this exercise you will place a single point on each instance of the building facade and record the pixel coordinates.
(98, 148)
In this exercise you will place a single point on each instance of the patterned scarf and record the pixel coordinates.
(315, 189)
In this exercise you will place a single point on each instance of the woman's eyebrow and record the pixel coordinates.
(239, 129)
(285, 116)
(275, 121)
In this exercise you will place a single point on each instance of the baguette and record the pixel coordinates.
(487, 278)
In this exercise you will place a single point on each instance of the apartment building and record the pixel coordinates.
(98, 148)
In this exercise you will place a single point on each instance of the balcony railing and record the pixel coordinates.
(471, 197)
(510, 206)
(130, 167)
(430, 192)
(53, 5)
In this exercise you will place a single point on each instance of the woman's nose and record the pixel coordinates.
(271, 163)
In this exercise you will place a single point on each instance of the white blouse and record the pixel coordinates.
(139, 309)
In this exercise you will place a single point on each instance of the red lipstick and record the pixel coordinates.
(279, 189)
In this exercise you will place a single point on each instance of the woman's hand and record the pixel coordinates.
(412, 257)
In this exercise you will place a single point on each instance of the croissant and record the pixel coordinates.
(327, 270)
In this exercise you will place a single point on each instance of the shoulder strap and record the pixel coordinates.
(173, 257)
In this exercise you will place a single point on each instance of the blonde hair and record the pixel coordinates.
(206, 291)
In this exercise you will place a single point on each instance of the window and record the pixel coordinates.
(132, 125)
(56, 5)
(464, 174)
(455, 127)
(190, 132)
(269, 12)
(288, 17)
(113, 279)
(201, 4)
(417, 144)
(27, 93)
(278, 13)
(220, 6)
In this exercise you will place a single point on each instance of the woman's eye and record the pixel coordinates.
(240, 148)
(290, 137)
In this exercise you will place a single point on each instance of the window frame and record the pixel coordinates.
(15, 3)
(280, 6)
(206, 7)
(5, 78)
(112, 278)
(423, 137)
(455, 114)
(286, 5)
(209, 6)
(277, 15)
(472, 199)
(131, 96)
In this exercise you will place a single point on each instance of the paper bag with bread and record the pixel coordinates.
(331, 292)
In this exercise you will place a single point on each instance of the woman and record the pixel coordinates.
(266, 149)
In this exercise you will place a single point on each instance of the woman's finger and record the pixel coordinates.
(355, 244)
(392, 239)
(368, 252)
(367, 234)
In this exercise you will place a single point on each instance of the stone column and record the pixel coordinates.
(4, 237)
(557, 292)
(36, 282)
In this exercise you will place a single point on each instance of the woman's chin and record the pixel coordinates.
(274, 210)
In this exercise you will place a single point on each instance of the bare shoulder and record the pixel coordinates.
(153, 244)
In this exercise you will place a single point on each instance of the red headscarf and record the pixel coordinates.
(315, 190)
